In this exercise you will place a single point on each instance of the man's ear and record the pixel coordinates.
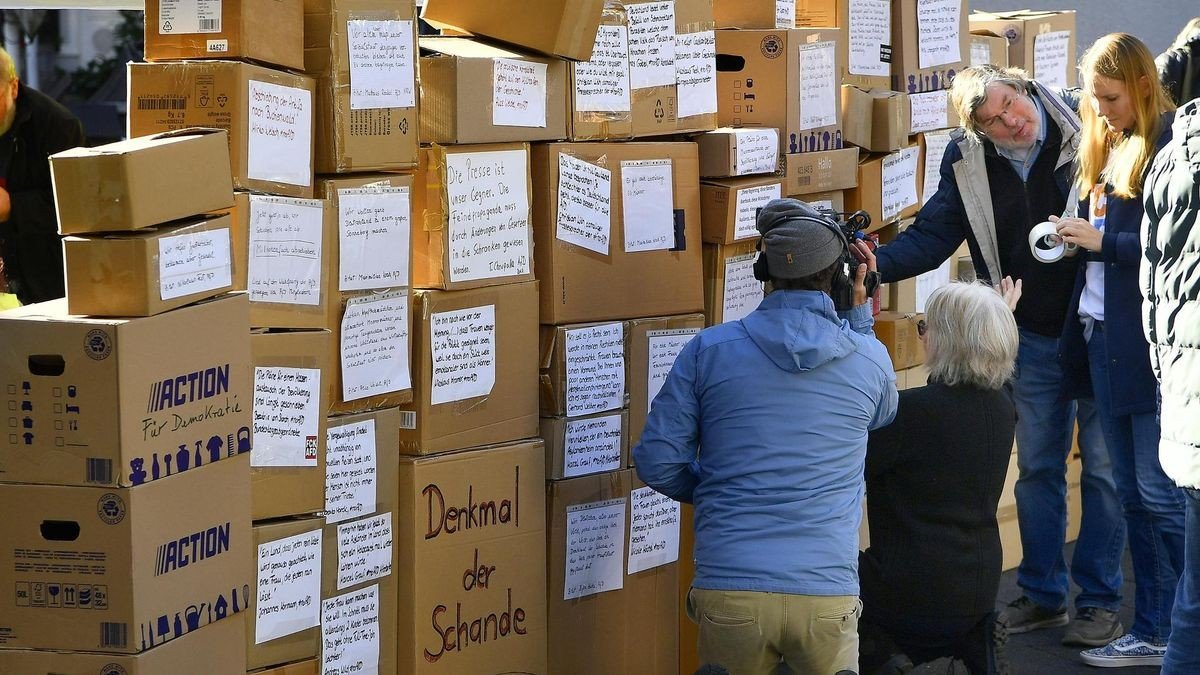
(16, 87)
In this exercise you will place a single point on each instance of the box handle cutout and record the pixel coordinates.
(47, 365)
(60, 530)
(730, 63)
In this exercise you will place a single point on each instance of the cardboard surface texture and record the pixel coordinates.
(898, 332)
(653, 345)
(987, 47)
(124, 570)
(815, 172)
(877, 120)
(768, 14)
(582, 368)
(123, 401)
(598, 90)
(738, 152)
(563, 28)
(1040, 42)
(578, 446)
(672, 84)
(888, 186)
(259, 30)
(729, 207)
(730, 289)
(271, 579)
(306, 667)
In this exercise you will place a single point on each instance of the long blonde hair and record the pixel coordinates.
(1121, 159)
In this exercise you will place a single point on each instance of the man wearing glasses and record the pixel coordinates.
(1007, 169)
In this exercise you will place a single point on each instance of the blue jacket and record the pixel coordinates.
(1131, 385)
(762, 424)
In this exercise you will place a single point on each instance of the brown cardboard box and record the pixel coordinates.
(877, 120)
(472, 217)
(472, 92)
(689, 632)
(902, 296)
(661, 110)
(730, 289)
(148, 562)
(306, 667)
(738, 152)
(100, 400)
(563, 28)
(833, 201)
(479, 348)
(597, 282)
(759, 84)
(918, 28)
(729, 207)
(218, 648)
(260, 30)
(987, 47)
(648, 367)
(372, 127)
(141, 182)
(360, 451)
(898, 332)
(372, 352)
(1040, 42)
(582, 368)
(150, 271)
(818, 13)
(268, 114)
(600, 100)
(867, 51)
(277, 585)
(932, 111)
(578, 446)
(888, 187)
(638, 619)
(813, 172)
(487, 571)
(292, 269)
(766, 14)
(291, 400)
(373, 212)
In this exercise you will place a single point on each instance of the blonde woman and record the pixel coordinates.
(1126, 120)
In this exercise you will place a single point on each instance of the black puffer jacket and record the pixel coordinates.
(1179, 70)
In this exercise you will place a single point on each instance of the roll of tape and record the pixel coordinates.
(1046, 245)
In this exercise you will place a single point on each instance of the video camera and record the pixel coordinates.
(853, 228)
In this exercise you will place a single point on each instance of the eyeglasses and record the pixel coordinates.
(921, 328)
(993, 122)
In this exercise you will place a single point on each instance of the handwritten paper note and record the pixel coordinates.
(653, 530)
(602, 82)
(647, 204)
(374, 230)
(595, 548)
(651, 44)
(350, 470)
(463, 344)
(938, 24)
(785, 13)
(518, 93)
(930, 281)
(289, 586)
(664, 347)
(584, 204)
(749, 201)
(364, 550)
(350, 633)
(935, 150)
(375, 345)
(595, 369)
(981, 54)
(381, 64)
(489, 214)
(280, 137)
(742, 293)
(929, 110)
(285, 250)
(696, 73)
(756, 151)
(194, 263)
(1051, 58)
(819, 90)
(287, 411)
(593, 445)
(899, 182)
(870, 37)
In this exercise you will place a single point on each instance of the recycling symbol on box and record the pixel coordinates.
(222, 99)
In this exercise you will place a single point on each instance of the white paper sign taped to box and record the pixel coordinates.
(287, 413)
(518, 93)
(382, 69)
(647, 205)
(374, 238)
(593, 445)
(289, 586)
(350, 632)
(351, 470)
(870, 37)
(488, 212)
(595, 548)
(286, 243)
(280, 135)
(602, 82)
(364, 550)
(194, 263)
(653, 530)
(664, 347)
(651, 44)
(463, 346)
(584, 204)
(696, 73)
(375, 345)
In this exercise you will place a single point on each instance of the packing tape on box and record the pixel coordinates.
(1046, 235)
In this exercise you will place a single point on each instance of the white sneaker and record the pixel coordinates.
(1127, 650)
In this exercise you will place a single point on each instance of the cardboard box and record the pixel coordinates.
(783, 79)
(587, 276)
(563, 28)
(1040, 42)
(598, 90)
(150, 271)
(888, 187)
(582, 368)
(987, 47)
(730, 289)
(932, 111)
(306, 667)
(868, 49)
(472, 215)
(216, 649)
(486, 571)
(814, 172)
(372, 245)
(360, 451)
(738, 152)
(729, 207)
(902, 296)
(268, 114)
(833, 201)
(260, 30)
(291, 271)
(768, 14)
(141, 182)
(669, 108)
(473, 92)
(372, 353)
(929, 45)
(100, 400)
(653, 345)
(578, 446)
(877, 120)
(898, 332)
(372, 127)
(276, 588)
(638, 617)
(148, 562)
(475, 364)
(818, 13)
(291, 401)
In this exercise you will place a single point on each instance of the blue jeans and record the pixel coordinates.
(1152, 503)
(1045, 424)
(1183, 651)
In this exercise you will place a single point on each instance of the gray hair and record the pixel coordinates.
(968, 91)
(8, 69)
(972, 336)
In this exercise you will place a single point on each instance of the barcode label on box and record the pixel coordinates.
(210, 25)
(408, 419)
(99, 470)
(162, 102)
(114, 634)
(218, 46)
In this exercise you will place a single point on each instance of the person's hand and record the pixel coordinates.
(1010, 291)
(5, 205)
(1079, 232)
(866, 258)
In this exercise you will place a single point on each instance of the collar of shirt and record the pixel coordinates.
(1022, 162)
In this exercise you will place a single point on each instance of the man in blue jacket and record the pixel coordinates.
(1009, 168)
(762, 425)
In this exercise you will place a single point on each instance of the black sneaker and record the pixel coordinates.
(1023, 615)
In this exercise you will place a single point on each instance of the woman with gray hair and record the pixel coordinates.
(934, 478)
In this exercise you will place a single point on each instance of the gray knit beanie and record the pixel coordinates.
(795, 244)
